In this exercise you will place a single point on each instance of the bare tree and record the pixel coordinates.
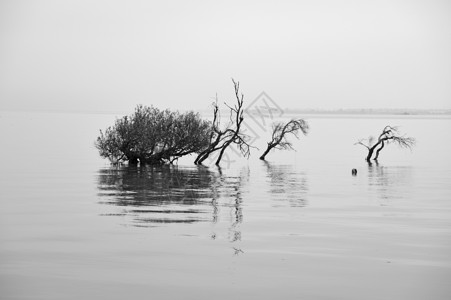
(390, 134)
(220, 139)
(280, 131)
(215, 138)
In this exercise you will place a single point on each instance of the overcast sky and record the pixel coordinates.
(111, 55)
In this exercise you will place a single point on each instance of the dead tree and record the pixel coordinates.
(280, 131)
(216, 136)
(220, 139)
(389, 135)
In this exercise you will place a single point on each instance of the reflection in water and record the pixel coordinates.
(287, 184)
(229, 190)
(389, 182)
(152, 195)
(158, 194)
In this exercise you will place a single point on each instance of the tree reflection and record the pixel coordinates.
(388, 182)
(158, 194)
(152, 195)
(229, 190)
(287, 185)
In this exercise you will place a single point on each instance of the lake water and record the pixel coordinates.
(296, 227)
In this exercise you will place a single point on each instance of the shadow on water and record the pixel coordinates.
(153, 195)
(287, 185)
(389, 182)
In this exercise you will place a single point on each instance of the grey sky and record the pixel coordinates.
(111, 55)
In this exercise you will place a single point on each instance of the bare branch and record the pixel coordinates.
(360, 142)
(281, 131)
(390, 134)
(222, 138)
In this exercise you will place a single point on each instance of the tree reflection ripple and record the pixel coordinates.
(152, 195)
(286, 184)
(390, 182)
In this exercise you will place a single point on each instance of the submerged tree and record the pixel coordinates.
(390, 134)
(151, 136)
(221, 138)
(280, 131)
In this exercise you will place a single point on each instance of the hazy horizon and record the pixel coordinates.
(285, 110)
(113, 55)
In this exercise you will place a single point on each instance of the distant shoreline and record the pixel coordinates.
(289, 111)
(370, 111)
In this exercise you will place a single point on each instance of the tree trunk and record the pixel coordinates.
(266, 152)
(196, 161)
(370, 153)
(223, 148)
(379, 150)
(371, 150)
(204, 154)
(200, 159)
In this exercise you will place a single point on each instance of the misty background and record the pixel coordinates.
(95, 56)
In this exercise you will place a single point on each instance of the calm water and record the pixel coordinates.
(296, 227)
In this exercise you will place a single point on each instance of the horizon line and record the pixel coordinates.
(405, 111)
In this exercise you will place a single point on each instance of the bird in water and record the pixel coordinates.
(354, 172)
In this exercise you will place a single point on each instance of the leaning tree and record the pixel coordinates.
(390, 135)
(281, 131)
(153, 136)
(221, 138)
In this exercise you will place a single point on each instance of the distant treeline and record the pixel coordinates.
(370, 111)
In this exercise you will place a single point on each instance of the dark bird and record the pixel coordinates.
(354, 172)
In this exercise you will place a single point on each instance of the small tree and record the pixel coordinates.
(151, 136)
(220, 139)
(280, 131)
(390, 134)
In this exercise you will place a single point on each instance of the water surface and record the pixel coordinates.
(296, 227)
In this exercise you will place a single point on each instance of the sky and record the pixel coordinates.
(111, 55)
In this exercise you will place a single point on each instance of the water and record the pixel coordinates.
(296, 227)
